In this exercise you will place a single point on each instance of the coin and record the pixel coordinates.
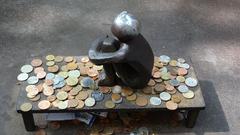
(173, 63)
(58, 59)
(55, 103)
(172, 91)
(176, 99)
(190, 94)
(157, 74)
(97, 95)
(36, 62)
(74, 73)
(73, 103)
(64, 68)
(63, 74)
(72, 81)
(82, 95)
(92, 72)
(86, 82)
(29, 87)
(158, 80)
(141, 101)
(181, 60)
(62, 95)
(126, 91)
(44, 104)
(36, 98)
(155, 101)
(99, 68)
(84, 59)
(115, 97)
(50, 63)
(116, 89)
(50, 57)
(183, 88)
(63, 104)
(165, 96)
(89, 64)
(181, 79)
(109, 104)
(163, 70)
(104, 89)
(33, 91)
(83, 70)
(30, 96)
(89, 102)
(164, 58)
(47, 91)
(165, 76)
(72, 66)
(68, 59)
(191, 82)
(174, 82)
(51, 98)
(132, 97)
(159, 87)
(74, 92)
(151, 82)
(22, 77)
(26, 68)
(171, 105)
(67, 88)
(49, 82)
(173, 71)
(80, 104)
(53, 69)
(183, 65)
(169, 87)
(50, 76)
(41, 74)
(38, 69)
(147, 90)
(32, 80)
(25, 107)
(158, 64)
(182, 71)
(118, 101)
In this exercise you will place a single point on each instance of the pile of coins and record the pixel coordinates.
(66, 82)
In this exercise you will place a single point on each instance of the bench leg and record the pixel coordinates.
(191, 118)
(28, 121)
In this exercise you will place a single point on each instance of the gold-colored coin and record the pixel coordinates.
(126, 91)
(82, 95)
(181, 79)
(36, 62)
(72, 81)
(25, 107)
(50, 63)
(50, 57)
(70, 97)
(68, 59)
(55, 103)
(151, 82)
(157, 74)
(53, 69)
(29, 87)
(147, 90)
(51, 98)
(73, 103)
(64, 68)
(109, 104)
(173, 63)
(80, 104)
(84, 59)
(84, 71)
(99, 68)
(30, 96)
(44, 104)
(47, 91)
(190, 94)
(58, 59)
(92, 72)
(62, 95)
(33, 91)
(171, 105)
(176, 99)
(116, 97)
(158, 64)
(72, 66)
(133, 97)
(141, 101)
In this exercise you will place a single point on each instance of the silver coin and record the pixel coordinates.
(74, 73)
(62, 104)
(32, 80)
(118, 101)
(164, 58)
(117, 89)
(97, 95)
(87, 82)
(191, 82)
(181, 60)
(59, 85)
(26, 68)
(143, 131)
(165, 96)
(163, 70)
(90, 102)
(155, 101)
(190, 94)
(50, 76)
(183, 88)
(174, 82)
(22, 77)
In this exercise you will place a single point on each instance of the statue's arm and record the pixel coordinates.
(112, 57)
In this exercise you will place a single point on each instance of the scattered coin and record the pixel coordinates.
(97, 95)
(73, 103)
(92, 72)
(84, 59)
(159, 87)
(26, 68)
(50, 57)
(181, 79)
(181, 60)
(50, 63)
(99, 68)
(165, 96)
(63, 104)
(36, 98)
(72, 81)
(62, 95)
(191, 82)
(182, 71)
(176, 99)
(104, 89)
(44, 104)
(157, 74)
(68, 59)
(72, 66)
(53, 69)
(133, 97)
(22, 77)
(141, 101)
(36, 62)
(89, 102)
(183, 88)
(74, 73)
(64, 68)
(32, 80)
(63, 74)
(80, 104)
(47, 91)
(50, 76)
(147, 90)
(116, 97)
(25, 107)
(109, 104)
(171, 105)
(165, 76)
(165, 58)
(169, 87)
(82, 95)
(117, 89)
(151, 82)
(58, 59)
(51, 98)
(38, 69)
(41, 74)
(173, 63)
(87, 82)
(155, 101)
(190, 94)
(174, 82)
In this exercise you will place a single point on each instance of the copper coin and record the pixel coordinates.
(48, 91)
(29, 87)
(49, 82)
(92, 72)
(141, 101)
(157, 74)
(44, 104)
(67, 88)
(84, 59)
(53, 69)
(55, 103)
(34, 91)
(176, 99)
(73, 103)
(126, 91)
(40, 87)
(51, 98)
(82, 95)
(40, 132)
(72, 66)
(159, 87)
(80, 104)
(147, 90)
(173, 71)
(158, 64)
(133, 97)
(36, 98)
(84, 70)
(116, 97)
(171, 105)
(68, 59)
(169, 87)
(104, 89)
(41, 74)
(36, 62)
(70, 97)
(172, 91)
(38, 69)
(158, 80)
(151, 82)
(182, 71)
(89, 64)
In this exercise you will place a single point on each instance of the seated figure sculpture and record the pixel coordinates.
(127, 58)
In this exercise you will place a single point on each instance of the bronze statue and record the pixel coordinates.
(127, 58)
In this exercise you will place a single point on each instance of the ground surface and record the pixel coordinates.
(206, 31)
